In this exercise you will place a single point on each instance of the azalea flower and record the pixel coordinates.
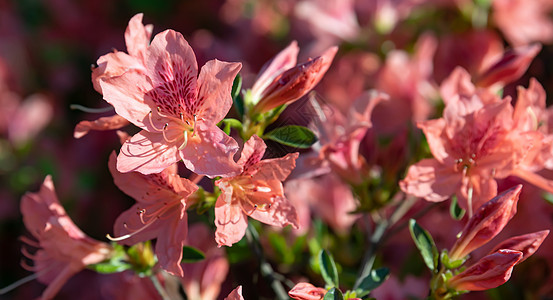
(476, 141)
(523, 22)
(176, 110)
(160, 212)
(64, 250)
(256, 192)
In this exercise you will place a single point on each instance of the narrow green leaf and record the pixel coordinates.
(455, 210)
(328, 268)
(293, 135)
(191, 255)
(236, 95)
(424, 242)
(334, 294)
(372, 281)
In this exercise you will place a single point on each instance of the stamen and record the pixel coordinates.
(25, 280)
(185, 140)
(152, 123)
(29, 242)
(129, 235)
(165, 136)
(194, 127)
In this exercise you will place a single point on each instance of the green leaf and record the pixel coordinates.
(115, 264)
(191, 255)
(334, 294)
(236, 96)
(372, 281)
(455, 210)
(292, 135)
(424, 242)
(231, 123)
(328, 268)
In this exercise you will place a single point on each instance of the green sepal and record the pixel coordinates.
(450, 264)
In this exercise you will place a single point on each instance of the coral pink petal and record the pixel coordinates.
(276, 168)
(112, 65)
(230, 220)
(170, 58)
(129, 222)
(103, 123)
(55, 286)
(170, 241)
(137, 36)
(431, 180)
(274, 209)
(126, 94)
(211, 154)
(146, 153)
(253, 152)
(215, 84)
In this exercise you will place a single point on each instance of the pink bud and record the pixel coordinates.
(306, 291)
(489, 272)
(294, 83)
(236, 294)
(527, 243)
(487, 222)
(510, 67)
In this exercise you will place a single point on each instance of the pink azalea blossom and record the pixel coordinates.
(523, 22)
(475, 142)
(256, 192)
(489, 272)
(341, 136)
(281, 81)
(176, 110)
(160, 212)
(486, 222)
(64, 249)
(306, 291)
(236, 294)
(202, 280)
(329, 20)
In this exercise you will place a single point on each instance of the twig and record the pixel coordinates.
(266, 270)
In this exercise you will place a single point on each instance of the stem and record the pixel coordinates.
(266, 270)
(378, 237)
(159, 288)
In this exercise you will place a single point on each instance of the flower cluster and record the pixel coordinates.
(398, 138)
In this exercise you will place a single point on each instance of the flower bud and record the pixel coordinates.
(486, 222)
(489, 272)
(527, 243)
(306, 291)
(294, 83)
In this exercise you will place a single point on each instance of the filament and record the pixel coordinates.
(185, 140)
